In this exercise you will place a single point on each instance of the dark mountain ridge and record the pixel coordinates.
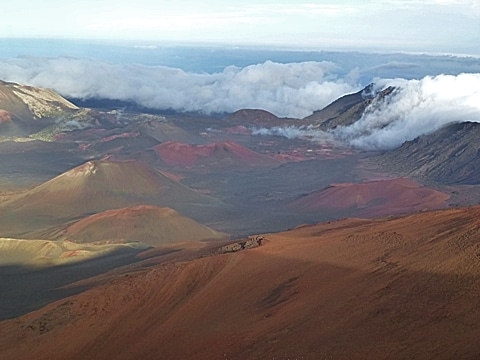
(450, 155)
(347, 109)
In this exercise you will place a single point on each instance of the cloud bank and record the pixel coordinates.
(287, 90)
(415, 108)
(296, 89)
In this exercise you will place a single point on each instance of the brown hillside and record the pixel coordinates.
(374, 198)
(28, 109)
(93, 187)
(404, 288)
(151, 225)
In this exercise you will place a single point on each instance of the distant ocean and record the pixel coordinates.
(215, 58)
(433, 89)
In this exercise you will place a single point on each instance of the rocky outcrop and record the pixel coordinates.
(249, 243)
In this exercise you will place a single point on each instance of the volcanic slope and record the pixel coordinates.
(347, 109)
(373, 198)
(148, 224)
(221, 154)
(448, 156)
(252, 116)
(97, 186)
(141, 132)
(402, 288)
(43, 253)
(24, 164)
(26, 109)
(161, 129)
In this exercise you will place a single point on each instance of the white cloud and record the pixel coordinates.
(287, 90)
(417, 107)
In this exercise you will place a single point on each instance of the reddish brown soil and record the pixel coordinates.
(374, 198)
(151, 225)
(404, 288)
(228, 152)
(5, 117)
(239, 129)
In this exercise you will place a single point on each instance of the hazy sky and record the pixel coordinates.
(451, 26)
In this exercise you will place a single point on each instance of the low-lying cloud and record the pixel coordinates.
(287, 90)
(293, 132)
(415, 108)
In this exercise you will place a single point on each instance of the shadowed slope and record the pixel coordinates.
(404, 288)
(97, 186)
(147, 224)
(375, 198)
(347, 109)
(32, 281)
(36, 253)
(450, 155)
